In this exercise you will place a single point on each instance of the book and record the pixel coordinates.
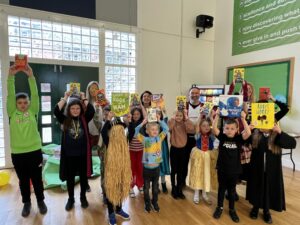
(263, 115)
(207, 107)
(74, 89)
(20, 61)
(151, 115)
(231, 105)
(134, 100)
(100, 98)
(181, 102)
(239, 74)
(263, 93)
(157, 101)
(120, 103)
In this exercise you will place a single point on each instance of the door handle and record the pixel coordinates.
(54, 69)
(60, 68)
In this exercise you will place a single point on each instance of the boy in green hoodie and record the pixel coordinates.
(25, 140)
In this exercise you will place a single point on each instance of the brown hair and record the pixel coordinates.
(68, 120)
(200, 122)
(257, 135)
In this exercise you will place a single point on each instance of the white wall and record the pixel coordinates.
(171, 57)
(223, 58)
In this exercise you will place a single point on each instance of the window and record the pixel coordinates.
(51, 40)
(2, 149)
(120, 62)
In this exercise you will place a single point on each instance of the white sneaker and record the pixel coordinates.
(131, 193)
(196, 197)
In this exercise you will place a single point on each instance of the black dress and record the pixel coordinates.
(265, 187)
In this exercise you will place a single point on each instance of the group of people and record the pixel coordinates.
(135, 152)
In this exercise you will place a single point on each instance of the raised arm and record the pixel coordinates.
(247, 131)
(11, 93)
(231, 88)
(215, 128)
(35, 100)
(284, 140)
(164, 128)
(171, 124)
(58, 110)
(137, 133)
(284, 109)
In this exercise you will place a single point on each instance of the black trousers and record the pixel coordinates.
(28, 167)
(227, 182)
(191, 143)
(151, 175)
(76, 165)
(177, 164)
(110, 207)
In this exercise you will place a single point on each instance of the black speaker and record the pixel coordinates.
(204, 21)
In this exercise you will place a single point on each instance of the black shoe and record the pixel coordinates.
(267, 217)
(42, 207)
(70, 204)
(181, 195)
(26, 209)
(218, 212)
(155, 207)
(234, 216)
(84, 202)
(164, 188)
(236, 197)
(254, 213)
(88, 188)
(174, 193)
(147, 208)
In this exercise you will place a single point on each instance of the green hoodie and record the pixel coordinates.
(24, 134)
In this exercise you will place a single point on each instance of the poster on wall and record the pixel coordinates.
(259, 24)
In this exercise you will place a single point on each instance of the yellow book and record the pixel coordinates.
(134, 100)
(120, 103)
(181, 102)
(158, 101)
(239, 74)
(263, 115)
(75, 89)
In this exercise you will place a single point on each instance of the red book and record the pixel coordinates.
(20, 61)
(263, 93)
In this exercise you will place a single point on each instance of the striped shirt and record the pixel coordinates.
(136, 145)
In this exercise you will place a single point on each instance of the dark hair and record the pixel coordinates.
(141, 113)
(21, 95)
(194, 87)
(145, 92)
(231, 121)
(68, 120)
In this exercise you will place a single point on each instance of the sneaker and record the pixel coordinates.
(267, 217)
(254, 213)
(112, 219)
(174, 193)
(218, 212)
(131, 193)
(147, 208)
(141, 189)
(155, 207)
(88, 188)
(234, 216)
(196, 197)
(42, 207)
(164, 188)
(123, 214)
(26, 209)
(70, 204)
(84, 202)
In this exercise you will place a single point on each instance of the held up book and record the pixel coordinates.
(21, 61)
(74, 89)
(100, 98)
(231, 105)
(157, 101)
(263, 93)
(207, 107)
(181, 102)
(120, 103)
(151, 115)
(134, 100)
(263, 115)
(239, 74)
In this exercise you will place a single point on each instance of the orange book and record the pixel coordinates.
(21, 61)
(263, 93)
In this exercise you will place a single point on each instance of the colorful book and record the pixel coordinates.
(120, 103)
(181, 102)
(215, 100)
(134, 100)
(263, 115)
(263, 93)
(231, 105)
(100, 98)
(74, 89)
(158, 101)
(151, 115)
(239, 74)
(207, 107)
(20, 61)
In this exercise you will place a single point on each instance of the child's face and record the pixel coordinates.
(93, 90)
(75, 110)
(22, 104)
(179, 116)
(230, 130)
(153, 131)
(105, 114)
(136, 116)
(146, 98)
(205, 128)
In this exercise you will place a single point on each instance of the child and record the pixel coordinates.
(75, 145)
(117, 167)
(201, 166)
(152, 158)
(179, 127)
(136, 151)
(265, 187)
(165, 164)
(229, 163)
(25, 140)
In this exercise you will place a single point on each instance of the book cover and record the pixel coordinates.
(231, 105)
(151, 115)
(263, 115)
(135, 100)
(74, 89)
(239, 74)
(158, 101)
(215, 100)
(21, 61)
(207, 107)
(100, 98)
(180, 102)
(120, 103)
(263, 93)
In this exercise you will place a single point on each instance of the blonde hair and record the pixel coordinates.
(117, 173)
(152, 124)
(252, 96)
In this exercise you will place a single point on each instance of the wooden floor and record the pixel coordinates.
(173, 212)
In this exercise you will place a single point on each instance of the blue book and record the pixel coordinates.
(231, 105)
